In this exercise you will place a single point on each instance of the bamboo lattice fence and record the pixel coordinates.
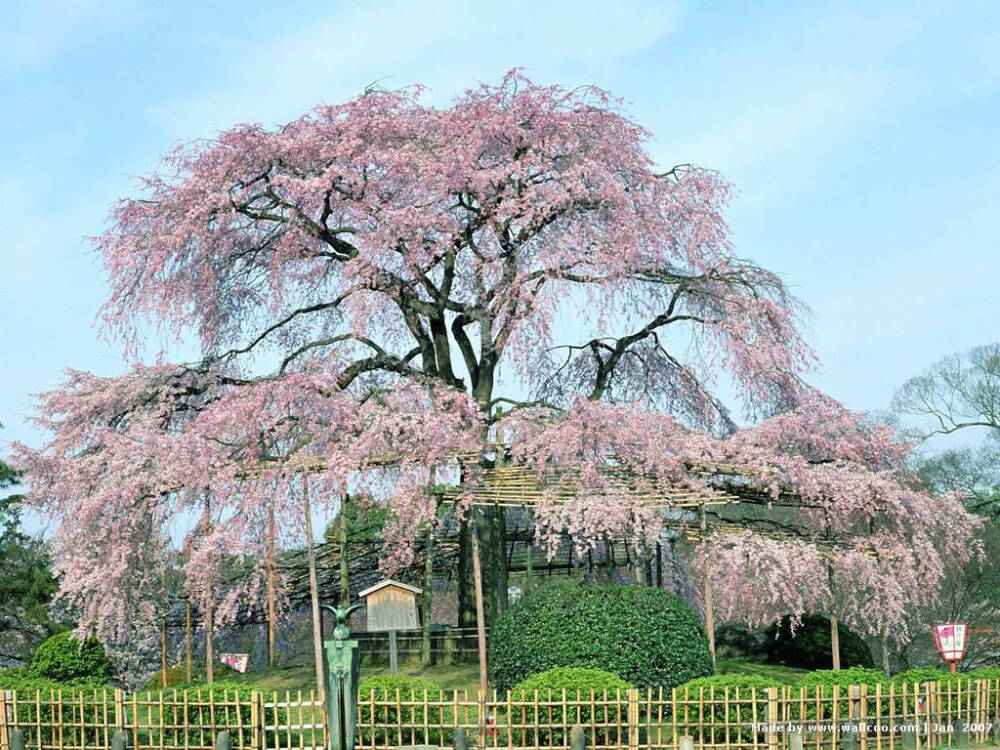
(879, 717)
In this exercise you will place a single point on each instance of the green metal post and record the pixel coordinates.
(342, 668)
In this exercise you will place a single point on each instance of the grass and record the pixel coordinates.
(457, 676)
(303, 677)
(781, 674)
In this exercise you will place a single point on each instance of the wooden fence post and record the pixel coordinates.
(255, 740)
(633, 719)
(119, 710)
(4, 728)
(773, 718)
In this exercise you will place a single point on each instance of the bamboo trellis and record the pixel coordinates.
(876, 717)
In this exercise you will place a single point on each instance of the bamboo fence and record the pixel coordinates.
(863, 717)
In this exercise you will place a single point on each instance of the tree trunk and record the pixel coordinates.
(317, 624)
(466, 587)
(490, 526)
(885, 652)
(271, 587)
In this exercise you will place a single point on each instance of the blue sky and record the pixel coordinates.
(862, 138)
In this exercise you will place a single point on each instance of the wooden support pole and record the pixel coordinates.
(345, 560)
(477, 575)
(317, 623)
(393, 653)
(209, 637)
(834, 641)
(188, 661)
(209, 604)
(271, 588)
(427, 598)
(163, 651)
(709, 606)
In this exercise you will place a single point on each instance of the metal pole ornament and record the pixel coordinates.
(342, 662)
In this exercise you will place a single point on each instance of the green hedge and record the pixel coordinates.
(383, 722)
(809, 645)
(752, 696)
(549, 724)
(63, 658)
(59, 699)
(646, 635)
(197, 714)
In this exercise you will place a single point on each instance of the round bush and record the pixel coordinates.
(736, 640)
(549, 726)
(645, 635)
(63, 658)
(809, 646)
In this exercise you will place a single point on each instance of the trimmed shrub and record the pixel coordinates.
(380, 717)
(737, 640)
(551, 723)
(57, 699)
(809, 646)
(23, 681)
(645, 635)
(63, 658)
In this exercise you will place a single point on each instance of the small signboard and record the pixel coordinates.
(238, 662)
(391, 605)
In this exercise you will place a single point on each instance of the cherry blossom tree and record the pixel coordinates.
(379, 279)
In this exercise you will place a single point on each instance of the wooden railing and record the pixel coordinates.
(879, 717)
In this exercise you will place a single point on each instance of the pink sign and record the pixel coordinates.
(949, 637)
(238, 662)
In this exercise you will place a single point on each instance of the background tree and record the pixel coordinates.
(27, 585)
(961, 393)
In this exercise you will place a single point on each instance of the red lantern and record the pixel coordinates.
(949, 637)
